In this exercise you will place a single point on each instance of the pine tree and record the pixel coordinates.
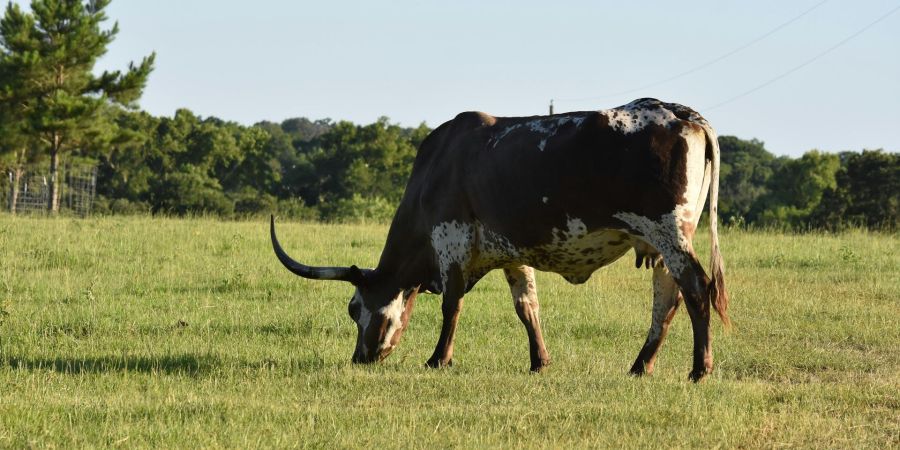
(47, 59)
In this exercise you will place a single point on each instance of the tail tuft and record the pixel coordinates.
(718, 296)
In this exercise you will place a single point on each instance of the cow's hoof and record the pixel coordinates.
(435, 363)
(698, 375)
(538, 367)
(640, 369)
(637, 370)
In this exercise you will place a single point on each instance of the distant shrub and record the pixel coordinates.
(358, 209)
(103, 206)
(127, 207)
(251, 203)
(296, 209)
(191, 191)
(100, 206)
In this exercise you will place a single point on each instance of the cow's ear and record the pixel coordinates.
(357, 276)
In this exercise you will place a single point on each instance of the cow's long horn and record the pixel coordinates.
(352, 274)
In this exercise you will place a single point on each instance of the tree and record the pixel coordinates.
(867, 192)
(257, 167)
(796, 188)
(123, 171)
(14, 142)
(302, 129)
(371, 161)
(47, 60)
(746, 167)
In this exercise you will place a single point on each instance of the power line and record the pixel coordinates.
(701, 66)
(805, 63)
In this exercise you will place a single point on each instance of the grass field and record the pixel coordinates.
(143, 332)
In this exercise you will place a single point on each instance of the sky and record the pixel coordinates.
(416, 61)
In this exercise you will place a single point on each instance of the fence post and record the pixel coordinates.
(93, 189)
(15, 177)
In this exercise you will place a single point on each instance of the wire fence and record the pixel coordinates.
(27, 191)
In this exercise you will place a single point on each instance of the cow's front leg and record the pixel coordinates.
(451, 307)
(666, 298)
(524, 293)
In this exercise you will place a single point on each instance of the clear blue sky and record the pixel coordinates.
(417, 61)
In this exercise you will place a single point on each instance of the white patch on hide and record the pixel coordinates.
(665, 294)
(576, 254)
(572, 252)
(524, 287)
(493, 247)
(633, 117)
(697, 172)
(576, 229)
(392, 313)
(452, 243)
(546, 127)
(665, 235)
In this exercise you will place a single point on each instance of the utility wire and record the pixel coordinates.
(701, 66)
(805, 63)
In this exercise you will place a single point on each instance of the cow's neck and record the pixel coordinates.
(407, 260)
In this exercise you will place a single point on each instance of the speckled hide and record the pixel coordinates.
(567, 193)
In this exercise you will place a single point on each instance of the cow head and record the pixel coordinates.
(381, 311)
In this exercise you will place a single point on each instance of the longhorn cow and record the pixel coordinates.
(566, 193)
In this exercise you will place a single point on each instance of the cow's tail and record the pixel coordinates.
(717, 293)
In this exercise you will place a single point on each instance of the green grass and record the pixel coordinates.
(143, 332)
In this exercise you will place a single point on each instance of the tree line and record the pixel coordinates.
(298, 168)
(52, 106)
(817, 190)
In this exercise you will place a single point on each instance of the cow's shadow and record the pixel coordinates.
(185, 364)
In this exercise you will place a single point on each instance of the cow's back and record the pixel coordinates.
(523, 176)
(525, 182)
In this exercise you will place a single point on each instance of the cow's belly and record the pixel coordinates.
(576, 259)
(574, 253)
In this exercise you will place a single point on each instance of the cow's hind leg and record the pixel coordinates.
(450, 308)
(666, 298)
(668, 236)
(688, 273)
(524, 293)
(693, 282)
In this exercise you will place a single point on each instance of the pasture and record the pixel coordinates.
(154, 332)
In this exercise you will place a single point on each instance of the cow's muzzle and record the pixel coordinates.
(361, 357)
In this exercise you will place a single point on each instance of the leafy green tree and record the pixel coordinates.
(15, 143)
(358, 209)
(796, 189)
(301, 129)
(745, 169)
(187, 154)
(370, 161)
(867, 192)
(295, 176)
(257, 166)
(47, 58)
(123, 171)
(417, 135)
(190, 189)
